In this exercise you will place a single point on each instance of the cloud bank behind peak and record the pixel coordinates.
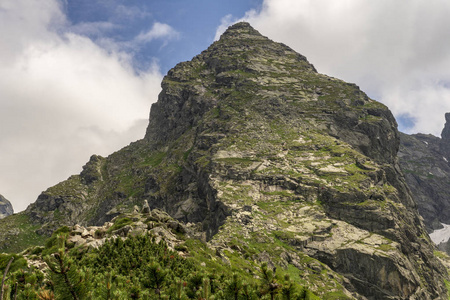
(63, 97)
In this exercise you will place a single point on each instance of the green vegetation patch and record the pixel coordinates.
(22, 233)
(119, 223)
(154, 159)
(141, 268)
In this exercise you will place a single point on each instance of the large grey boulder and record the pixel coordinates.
(6, 208)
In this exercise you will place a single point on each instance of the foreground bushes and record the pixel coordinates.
(137, 268)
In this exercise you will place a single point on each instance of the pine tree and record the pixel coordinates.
(248, 292)
(135, 292)
(4, 277)
(269, 284)
(205, 292)
(288, 290)
(104, 286)
(233, 287)
(27, 293)
(177, 290)
(194, 284)
(18, 279)
(7, 292)
(45, 295)
(68, 282)
(156, 277)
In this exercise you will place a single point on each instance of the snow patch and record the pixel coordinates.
(441, 235)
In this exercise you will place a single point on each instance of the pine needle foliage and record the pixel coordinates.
(139, 267)
(69, 282)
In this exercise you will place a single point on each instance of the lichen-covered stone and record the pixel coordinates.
(145, 207)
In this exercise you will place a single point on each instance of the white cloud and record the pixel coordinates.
(62, 98)
(225, 22)
(397, 51)
(158, 31)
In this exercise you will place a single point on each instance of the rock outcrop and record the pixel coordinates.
(271, 161)
(6, 208)
(156, 222)
(444, 144)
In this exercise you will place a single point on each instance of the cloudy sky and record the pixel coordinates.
(77, 77)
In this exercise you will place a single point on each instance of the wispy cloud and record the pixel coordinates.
(158, 31)
(130, 12)
(93, 29)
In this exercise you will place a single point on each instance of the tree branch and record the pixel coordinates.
(4, 277)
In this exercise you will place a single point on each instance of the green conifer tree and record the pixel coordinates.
(135, 292)
(233, 287)
(204, 293)
(248, 291)
(45, 294)
(156, 278)
(68, 282)
(177, 290)
(27, 293)
(194, 284)
(6, 292)
(104, 286)
(269, 285)
(289, 289)
(2, 291)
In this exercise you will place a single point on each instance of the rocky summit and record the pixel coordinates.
(6, 208)
(265, 160)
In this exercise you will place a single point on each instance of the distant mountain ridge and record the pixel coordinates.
(424, 160)
(265, 160)
(6, 208)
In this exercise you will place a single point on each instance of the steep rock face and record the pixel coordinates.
(425, 163)
(6, 208)
(445, 135)
(272, 161)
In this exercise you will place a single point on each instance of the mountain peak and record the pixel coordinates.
(241, 29)
(245, 44)
(240, 25)
(243, 47)
(241, 61)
